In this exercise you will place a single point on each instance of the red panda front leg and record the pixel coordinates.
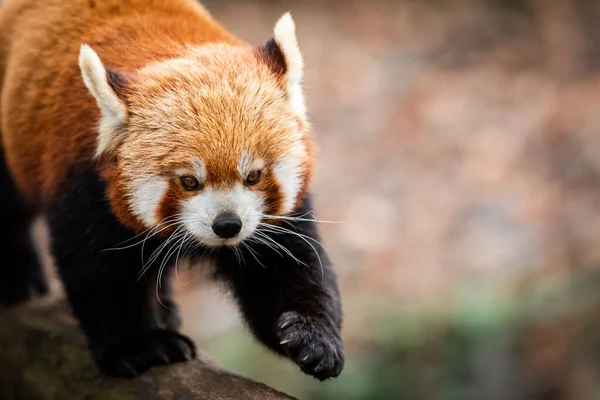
(21, 274)
(119, 313)
(290, 300)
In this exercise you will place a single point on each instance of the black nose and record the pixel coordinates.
(227, 225)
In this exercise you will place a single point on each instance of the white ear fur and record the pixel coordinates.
(284, 35)
(112, 110)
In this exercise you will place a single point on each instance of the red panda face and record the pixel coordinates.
(212, 143)
(209, 144)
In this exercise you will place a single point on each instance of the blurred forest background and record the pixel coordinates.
(459, 142)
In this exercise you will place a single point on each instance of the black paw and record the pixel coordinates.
(17, 288)
(315, 346)
(135, 355)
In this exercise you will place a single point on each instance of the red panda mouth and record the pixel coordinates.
(231, 241)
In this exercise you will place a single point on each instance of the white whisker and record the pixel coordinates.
(253, 254)
(282, 247)
(147, 231)
(176, 247)
(174, 236)
(279, 229)
(237, 255)
(181, 245)
(259, 240)
(290, 218)
(172, 250)
(177, 221)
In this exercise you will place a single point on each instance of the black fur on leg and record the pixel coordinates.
(21, 273)
(291, 304)
(127, 328)
(167, 310)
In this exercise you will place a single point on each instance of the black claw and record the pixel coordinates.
(313, 345)
(126, 369)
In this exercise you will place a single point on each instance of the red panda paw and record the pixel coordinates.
(135, 355)
(314, 345)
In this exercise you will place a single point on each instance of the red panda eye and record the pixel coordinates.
(253, 178)
(190, 183)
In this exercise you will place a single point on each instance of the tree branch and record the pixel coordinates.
(43, 355)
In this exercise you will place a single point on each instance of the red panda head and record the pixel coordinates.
(212, 142)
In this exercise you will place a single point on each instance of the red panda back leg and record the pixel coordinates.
(21, 274)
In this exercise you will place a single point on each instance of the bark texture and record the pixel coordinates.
(43, 356)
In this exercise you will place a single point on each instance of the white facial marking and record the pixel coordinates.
(244, 162)
(284, 34)
(288, 173)
(147, 195)
(198, 170)
(247, 164)
(257, 165)
(112, 110)
(200, 211)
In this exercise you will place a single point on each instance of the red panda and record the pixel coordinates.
(145, 123)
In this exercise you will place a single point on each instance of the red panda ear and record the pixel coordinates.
(118, 82)
(282, 54)
(271, 54)
(108, 88)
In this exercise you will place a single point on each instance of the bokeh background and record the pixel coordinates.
(459, 144)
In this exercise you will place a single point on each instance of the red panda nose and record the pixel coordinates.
(227, 225)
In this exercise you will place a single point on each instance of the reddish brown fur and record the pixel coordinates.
(175, 193)
(40, 46)
(49, 119)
